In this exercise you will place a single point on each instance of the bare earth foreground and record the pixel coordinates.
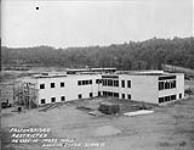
(170, 127)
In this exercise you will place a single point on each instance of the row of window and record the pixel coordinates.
(128, 83)
(52, 85)
(106, 82)
(53, 99)
(115, 94)
(84, 82)
(111, 82)
(90, 95)
(168, 98)
(167, 84)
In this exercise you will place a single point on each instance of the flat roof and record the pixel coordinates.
(158, 73)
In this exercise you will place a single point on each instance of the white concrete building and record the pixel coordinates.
(149, 86)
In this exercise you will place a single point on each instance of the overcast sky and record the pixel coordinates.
(62, 23)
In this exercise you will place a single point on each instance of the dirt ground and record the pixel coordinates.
(169, 127)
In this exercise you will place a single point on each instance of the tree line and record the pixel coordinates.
(149, 54)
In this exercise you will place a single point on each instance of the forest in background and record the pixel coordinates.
(149, 54)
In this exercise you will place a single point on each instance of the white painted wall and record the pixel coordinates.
(175, 91)
(71, 89)
(143, 87)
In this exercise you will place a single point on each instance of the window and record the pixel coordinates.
(91, 94)
(42, 86)
(105, 93)
(123, 83)
(79, 96)
(129, 83)
(129, 96)
(62, 84)
(123, 96)
(53, 99)
(180, 96)
(161, 86)
(42, 101)
(62, 98)
(161, 100)
(90, 81)
(173, 84)
(116, 95)
(110, 94)
(98, 81)
(116, 83)
(167, 98)
(84, 82)
(52, 85)
(173, 97)
(99, 93)
(79, 83)
(168, 84)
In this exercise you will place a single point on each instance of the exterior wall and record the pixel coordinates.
(143, 87)
(180, 84)
(70, 90)
(175, 91)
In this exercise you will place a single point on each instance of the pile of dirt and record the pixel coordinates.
(106, 131)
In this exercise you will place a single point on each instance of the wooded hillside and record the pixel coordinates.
(149, 54)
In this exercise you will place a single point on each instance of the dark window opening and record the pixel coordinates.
(123, 83)
(42, 101)
(80, 96)
(167, 84)
(129, 96)
(91, 94)
(173, 97)
(99, 93)
(53, 99)
(52, 85)
(62, 98)
(123, 96)
(90, 81)
(161, 100)
(180, 96)
(161, 85)
(62, 84)
(42, 86)
(116, 95)
(79, 83)
(129, 84)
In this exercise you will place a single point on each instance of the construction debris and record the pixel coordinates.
(109, 108)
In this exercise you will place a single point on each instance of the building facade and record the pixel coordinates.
(153, 87)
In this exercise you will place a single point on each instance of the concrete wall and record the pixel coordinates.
(143, 87)
(71, 89)
(175, 91)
